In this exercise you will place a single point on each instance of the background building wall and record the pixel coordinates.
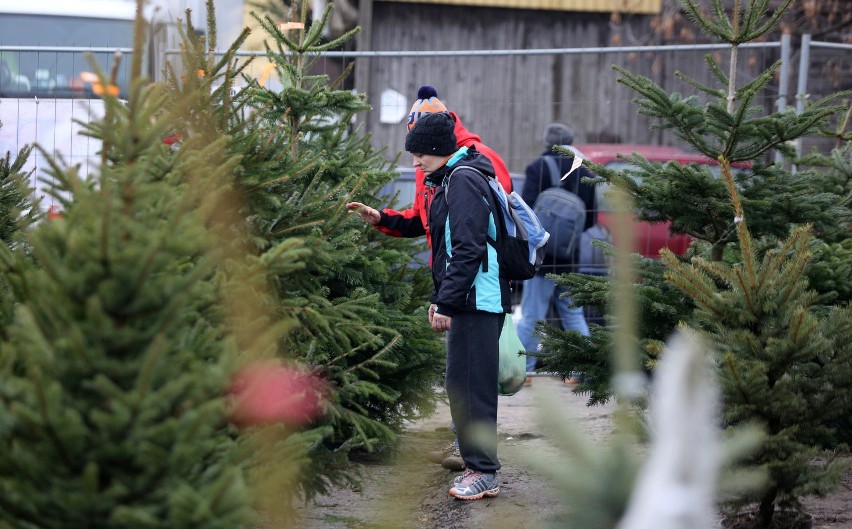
(508, 100)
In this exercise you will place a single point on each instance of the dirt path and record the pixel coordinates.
(412, 493)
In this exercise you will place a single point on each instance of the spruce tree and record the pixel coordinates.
(723, 121)
(781, 349)
(780, 364)
(18, 211)
(830, 270)
(113, 409)
(375, 348)
(344, 297)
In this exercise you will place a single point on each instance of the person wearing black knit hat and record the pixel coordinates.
(414, 221)
(470, 298)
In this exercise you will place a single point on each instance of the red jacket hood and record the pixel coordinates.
(464, 137)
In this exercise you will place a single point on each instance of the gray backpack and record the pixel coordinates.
(593, 258)
(563, 214)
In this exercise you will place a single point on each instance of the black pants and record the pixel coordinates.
(472, 362)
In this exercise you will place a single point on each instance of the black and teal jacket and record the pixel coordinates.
(465, 270)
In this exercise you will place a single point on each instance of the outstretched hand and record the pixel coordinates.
(369, 215)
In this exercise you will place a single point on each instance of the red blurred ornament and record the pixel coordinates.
(53, 213)
(172, 139)
(266, 393)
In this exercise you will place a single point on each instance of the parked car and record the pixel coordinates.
(649, 238)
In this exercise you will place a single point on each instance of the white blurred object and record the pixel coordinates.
(576, 162)
(676, 487)
(393, 107)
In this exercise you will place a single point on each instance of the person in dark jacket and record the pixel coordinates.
(470, 298)
(540, 293)
(414, 222)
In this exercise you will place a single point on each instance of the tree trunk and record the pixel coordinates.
(767, 508)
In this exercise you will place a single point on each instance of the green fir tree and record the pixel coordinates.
(780, 364)
(375, 347)
(830, 271)
(723, 122)
(18, 208)
(348, 305)
(113, 408)
(781, 349)
(18, 211)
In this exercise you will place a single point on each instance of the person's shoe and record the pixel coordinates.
(458, 479)
(437, 456)
(473, 485)
(454, 461)
(574, 379)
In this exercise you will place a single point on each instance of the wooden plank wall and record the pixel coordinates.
(509, 100)
(597, 6)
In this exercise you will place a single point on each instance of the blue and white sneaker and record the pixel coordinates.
(473, 485)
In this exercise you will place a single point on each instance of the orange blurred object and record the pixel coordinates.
(266, 393)
(100, 90)
(97, 87)
(54, 213)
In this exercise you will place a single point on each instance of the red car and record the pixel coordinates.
(649, 238)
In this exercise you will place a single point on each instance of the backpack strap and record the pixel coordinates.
(552, 170)
(446, 183)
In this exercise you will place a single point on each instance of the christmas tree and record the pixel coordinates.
(18, 211)
(113, 407)
(780, 363)
(728, 122)
(344, 299)
(781, 349)
(374, 346)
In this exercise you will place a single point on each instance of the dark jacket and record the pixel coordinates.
(538, 179)
(465, 271)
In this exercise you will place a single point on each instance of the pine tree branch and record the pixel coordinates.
(713, 92)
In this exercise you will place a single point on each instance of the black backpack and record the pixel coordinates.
(521, 239)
